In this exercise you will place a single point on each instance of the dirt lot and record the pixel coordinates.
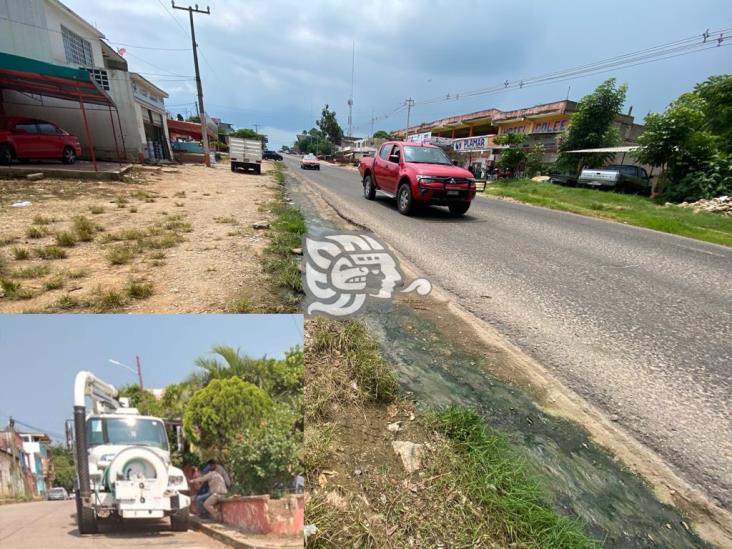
(173, 240)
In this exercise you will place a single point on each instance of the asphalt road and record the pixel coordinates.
(636, 321)
(53, 524)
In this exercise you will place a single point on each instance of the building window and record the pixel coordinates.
(78, 51)
(102, 78)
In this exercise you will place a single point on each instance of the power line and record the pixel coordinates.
(661, 52)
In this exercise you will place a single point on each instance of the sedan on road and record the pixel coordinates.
(28, 138)
(58, 493)
(310, 162)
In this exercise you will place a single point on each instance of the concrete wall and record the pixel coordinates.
(12, 484)
(27, 38)
(57, 16)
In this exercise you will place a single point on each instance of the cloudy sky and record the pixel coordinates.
(277, 63)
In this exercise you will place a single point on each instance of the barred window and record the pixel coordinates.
(78, 51)
(102, 78)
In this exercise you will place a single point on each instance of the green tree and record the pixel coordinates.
(195, 118)
(329, 126)
(690, 142)
(248, 133)
(63, 465)
(217, 414)
(381, 134)
(514, 157)
(592, 127)
(141, 399)
(179, 117)
(534, 162)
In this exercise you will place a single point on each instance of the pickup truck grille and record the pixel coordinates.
(451, 180)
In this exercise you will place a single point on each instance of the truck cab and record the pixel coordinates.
(123, 464)
(417, 174)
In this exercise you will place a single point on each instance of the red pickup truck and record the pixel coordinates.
(417, 174)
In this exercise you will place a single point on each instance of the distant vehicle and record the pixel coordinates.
(271, 155)
(28, 138)
(245, 154)
(617, 176)
(563, 179)
(58, 493)
(417, 174)
(310, 162)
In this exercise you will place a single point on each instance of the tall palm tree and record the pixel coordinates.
(229, 362)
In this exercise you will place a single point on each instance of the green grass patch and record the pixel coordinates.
(287, 232)
(66, 239)
(43, 220)
(34, 271)
(56, 282)
(36, 232)
(14, 290)
(84, 228)
(6, 239)
(21, 253)
(121, 254)
(626, 208)
(96, 210)
(138, 289)
(50, 252)
(103, 300)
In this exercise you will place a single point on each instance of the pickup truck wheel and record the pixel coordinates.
(85, 519)
(233, 167)
(459, 209)
(404, 199)
(179, 520)
(258, 169)
(369, 192)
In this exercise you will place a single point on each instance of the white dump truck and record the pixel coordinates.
(123, 462)
(245, 154)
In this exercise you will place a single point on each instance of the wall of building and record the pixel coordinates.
(12, 484)
(57, 16)
(27, 38)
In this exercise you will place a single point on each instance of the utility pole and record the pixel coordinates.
(410, 104)
(372, 122)
(256, 127)
(139, 373)
(350, 98)
(202, 111)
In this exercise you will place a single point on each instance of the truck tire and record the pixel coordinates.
(85, 519)
(459, 209)
(6, 155)
(258, 170)
(405, 203)
(369, 191)
(179, 520)
(233, 167)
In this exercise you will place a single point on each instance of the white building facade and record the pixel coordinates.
(47, 30)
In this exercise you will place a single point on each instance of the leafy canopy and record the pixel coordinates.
(592, 126)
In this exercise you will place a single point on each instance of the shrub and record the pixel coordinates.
(85, 228)
(65, 239)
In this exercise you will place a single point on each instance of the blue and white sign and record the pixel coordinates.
(467, 144)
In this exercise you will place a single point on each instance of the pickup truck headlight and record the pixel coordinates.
(427, 179)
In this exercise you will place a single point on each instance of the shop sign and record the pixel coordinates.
(466, 144)
(419, 137)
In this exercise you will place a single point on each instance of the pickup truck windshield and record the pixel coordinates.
(425, 155)
(126, 431)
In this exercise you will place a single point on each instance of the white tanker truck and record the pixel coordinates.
(123, 466)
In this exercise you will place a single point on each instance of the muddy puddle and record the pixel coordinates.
(582, 479)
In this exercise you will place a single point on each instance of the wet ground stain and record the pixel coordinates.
(582, 479)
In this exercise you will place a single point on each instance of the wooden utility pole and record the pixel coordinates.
(410, 104)
(139, 373)
(202, 111)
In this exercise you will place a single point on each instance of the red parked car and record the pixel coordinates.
(28, 138)
(417, 174)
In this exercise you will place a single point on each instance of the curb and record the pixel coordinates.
(234, 538)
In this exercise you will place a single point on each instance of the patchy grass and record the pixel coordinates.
(471, 491)
(21, 253)
(50, 252)
(287, 232)
(138, 289)
(36, 232)
(241, 305)
(34, 271)
(226, 219)
(84, 228)
(631, 209)
(43, 220)
(96, 210)
(14, 290)
(66, 239)
(56, 282)
(121, 254)
(7, 239)
(104, 300)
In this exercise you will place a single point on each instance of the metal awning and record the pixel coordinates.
(31, 76)
(624, 149)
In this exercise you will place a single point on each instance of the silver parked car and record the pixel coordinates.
(58, 493)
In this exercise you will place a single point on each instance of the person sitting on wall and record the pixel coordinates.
(216, 490)
(202, 492)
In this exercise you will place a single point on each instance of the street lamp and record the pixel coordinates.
(131, 369)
